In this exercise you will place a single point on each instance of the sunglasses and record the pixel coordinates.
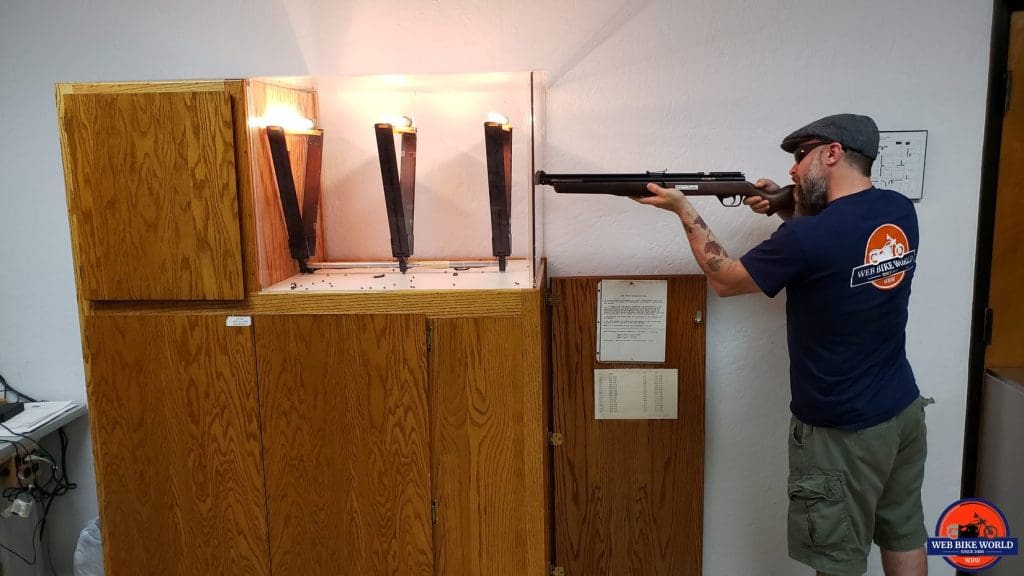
(800, 153)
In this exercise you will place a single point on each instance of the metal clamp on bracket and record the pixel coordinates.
(301, 225)
(498, 141)
(399, 188)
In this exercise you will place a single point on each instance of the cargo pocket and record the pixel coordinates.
(819, 515)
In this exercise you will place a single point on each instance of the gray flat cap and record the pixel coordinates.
(853, 131)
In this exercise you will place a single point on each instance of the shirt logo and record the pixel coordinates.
(887, 257)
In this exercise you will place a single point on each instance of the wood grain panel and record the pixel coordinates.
(275, 261)
(628, 493)
(1007, 348)
(538, 472)
(441, 303)
(65, 88)
(346, 444)
(236, 90)
(477, 389)
(174, 415)
(153, 203)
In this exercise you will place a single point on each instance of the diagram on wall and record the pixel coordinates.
(900, 162)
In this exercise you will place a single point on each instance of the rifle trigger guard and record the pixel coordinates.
(731, 201)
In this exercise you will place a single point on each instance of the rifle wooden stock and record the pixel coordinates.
(723, 185)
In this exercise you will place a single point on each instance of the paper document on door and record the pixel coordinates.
(636, 394)
(631, 319)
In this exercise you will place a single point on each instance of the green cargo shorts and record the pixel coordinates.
(849, 489)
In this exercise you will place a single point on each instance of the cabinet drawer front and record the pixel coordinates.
(153, 197)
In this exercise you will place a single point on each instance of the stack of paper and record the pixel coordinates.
(35, 415)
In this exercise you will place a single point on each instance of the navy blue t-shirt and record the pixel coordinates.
(847, 272)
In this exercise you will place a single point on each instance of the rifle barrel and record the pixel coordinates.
(722, 185)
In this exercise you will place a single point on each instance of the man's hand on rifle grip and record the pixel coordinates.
(758, 203)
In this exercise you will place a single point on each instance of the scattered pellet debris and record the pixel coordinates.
(378, 275)
(294, 286)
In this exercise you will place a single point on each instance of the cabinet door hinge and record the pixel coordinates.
(557, 570)
(555, 438)
(433, 512)
(553, 299)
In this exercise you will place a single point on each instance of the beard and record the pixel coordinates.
(811, 192)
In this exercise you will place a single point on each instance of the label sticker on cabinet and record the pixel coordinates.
(239, 321)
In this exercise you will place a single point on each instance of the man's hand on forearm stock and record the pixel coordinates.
(665, 198)
(726, 275)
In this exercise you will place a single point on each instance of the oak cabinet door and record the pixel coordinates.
(481, 484)
(153, 196)
(176, 441)
(629, 494)
(346, 442)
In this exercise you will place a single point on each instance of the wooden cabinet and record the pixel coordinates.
(318, 434)
(152, 188)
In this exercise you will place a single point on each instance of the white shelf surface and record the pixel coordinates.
(518, 275)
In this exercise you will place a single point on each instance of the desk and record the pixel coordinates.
(7, 448)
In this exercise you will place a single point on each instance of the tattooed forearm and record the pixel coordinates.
(713, 248)
(709, 253)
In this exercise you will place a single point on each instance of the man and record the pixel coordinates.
(857, 441)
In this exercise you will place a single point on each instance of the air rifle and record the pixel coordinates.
(729, 187)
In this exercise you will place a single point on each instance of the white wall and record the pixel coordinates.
(635, 85)
(453, 211)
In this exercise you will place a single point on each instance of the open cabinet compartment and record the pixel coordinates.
(451, 218)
